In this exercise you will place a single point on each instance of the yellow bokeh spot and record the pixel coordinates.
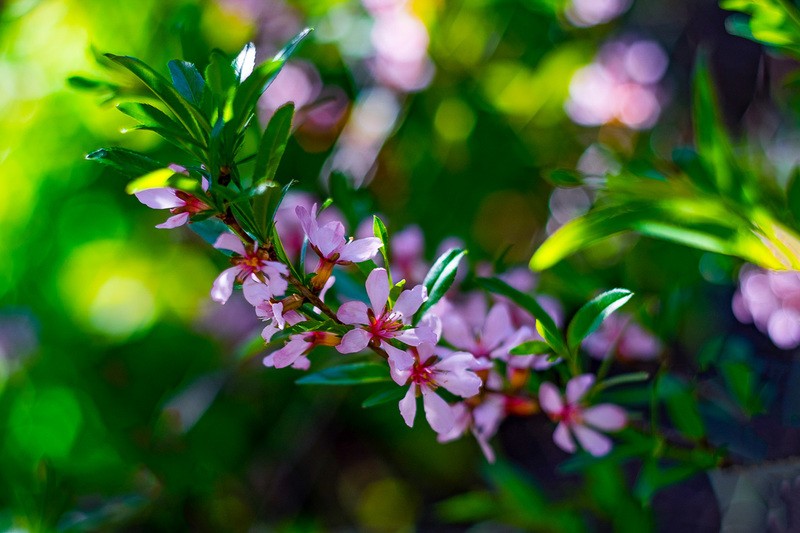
(122, 306)
(454, 120)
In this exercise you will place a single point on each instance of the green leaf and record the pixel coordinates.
(153, 119)
(379, 230)
(441, 276)
(220, 77)
(191, 117)
(681, 406)
(652, 478)
(531, 348)
(266, 205)
(711, 138)
(793, 194)
(623, 379)
(591, 315)
(130, 164)
(565, 178)
(545, 322)
(251, 89)
(163, 177)
(350, 374)
(190, 84)
(385, 396)
(273, 144)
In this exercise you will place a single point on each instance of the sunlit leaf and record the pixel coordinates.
(551, 333)
(591, 315)
(273, 144)
(190, 84)
(129, 163)
(191, 117)
(441, 276)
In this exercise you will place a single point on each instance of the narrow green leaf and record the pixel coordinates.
(349, 374)
(389, 395)
(591, 315)
(251, 89)
(564, 178)
(153, 119)
(266, 205)
(273, 144)
(623, 379)
(191, 118)
(681, 406)
(220, 77)
(190, 84)
(379, 230)
(130, 164)
(531, 348)
(441, 277)
(545, 322)
(793, 195)
(163, 177)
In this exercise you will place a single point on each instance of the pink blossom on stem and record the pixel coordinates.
(382, 321)
(620, 335)
(428, 372)
(248, 262)
(181, 204)
(578, 422)
(268, 309)
(299, 345)
(329, 242)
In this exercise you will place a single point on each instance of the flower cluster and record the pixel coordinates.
(459, 353)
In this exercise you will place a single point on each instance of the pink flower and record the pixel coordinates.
(268, 309)
(181, 204)
(382, 322)
(295, 351)
(620, 334)
(579, 422)
(249, 262)
(482, 420)
(427, 373)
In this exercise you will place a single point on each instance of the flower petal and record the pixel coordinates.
(438, 412)
(593, 442)
(353, 313)
(229, 241)
(378, 289)
(497, 326)
(255, 292)
(456, 331)
(307, 221)
(223, 285)
(289, 353)
(578, 386)
(563, 439)
(550, 399)
(400, 360)
(417, 336)
(605, 416)
(408, 405)
(410, 301)
(354, 341)
(160, 198)
(360, 249)
(174, 221)
(329, 239)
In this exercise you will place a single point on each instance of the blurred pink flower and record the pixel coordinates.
(381, 322)
(621, 85)
(578, 422)
(425, 375)
(620, 335)
(771, 301)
